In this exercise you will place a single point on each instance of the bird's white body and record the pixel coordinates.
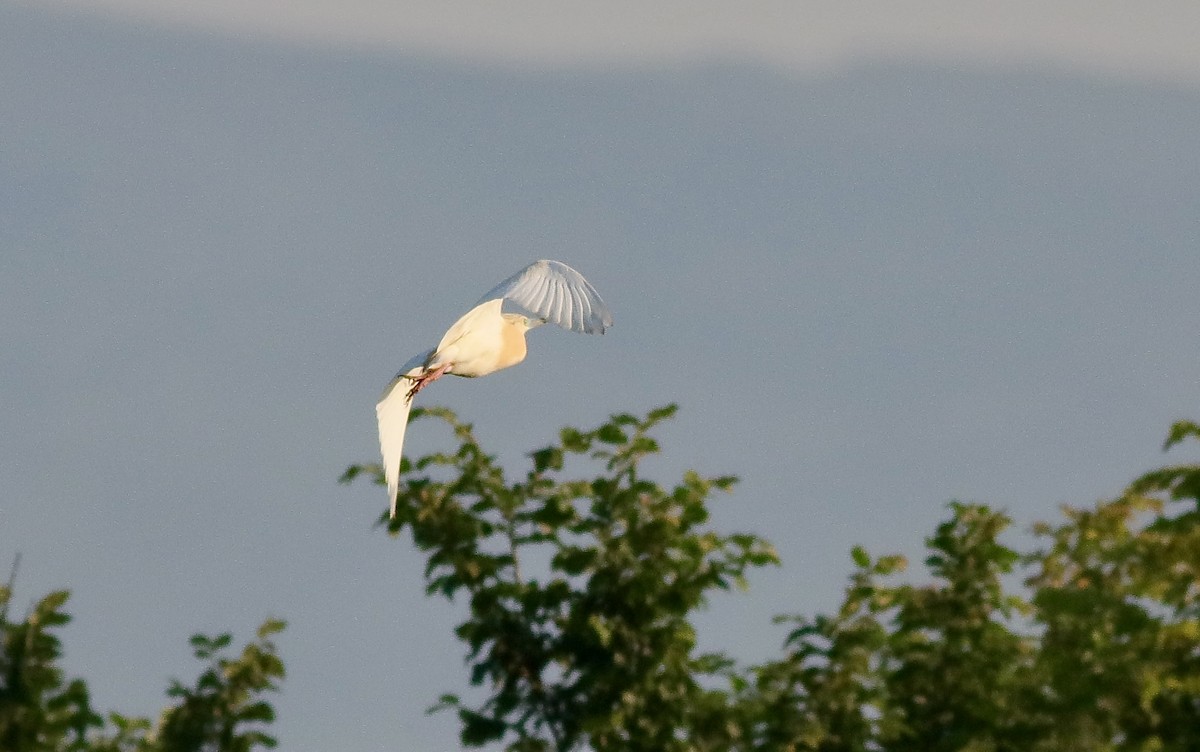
(487, 339)
(483, 341)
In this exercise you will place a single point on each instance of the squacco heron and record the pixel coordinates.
(491, 336)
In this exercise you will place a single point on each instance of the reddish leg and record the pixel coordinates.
(427, 378)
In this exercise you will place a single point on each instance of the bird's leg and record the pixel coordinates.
(427, 378)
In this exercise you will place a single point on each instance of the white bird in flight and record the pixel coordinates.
(487, 339)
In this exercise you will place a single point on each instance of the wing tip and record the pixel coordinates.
(392, 413)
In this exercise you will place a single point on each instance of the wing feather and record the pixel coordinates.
(554, 292)
(392, 413)
(577, 305)
(555, 309)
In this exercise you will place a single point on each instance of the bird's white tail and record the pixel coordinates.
(392, 412)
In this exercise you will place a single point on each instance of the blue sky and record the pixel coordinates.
(954, 257)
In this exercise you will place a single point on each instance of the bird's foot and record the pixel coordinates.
(426, 379)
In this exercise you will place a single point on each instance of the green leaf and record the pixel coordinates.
(479, 729)
(573, 441)
(550, 458)
(659, 414)
(573, 560)
(1180, 431)
(270, 627)
(610, 433)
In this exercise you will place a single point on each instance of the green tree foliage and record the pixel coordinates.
(1118, 593)
(39, 708)
(42, 711)
(580, 581)
(581, 591)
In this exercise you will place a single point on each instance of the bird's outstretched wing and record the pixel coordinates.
(392, 413)
(554, 292)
